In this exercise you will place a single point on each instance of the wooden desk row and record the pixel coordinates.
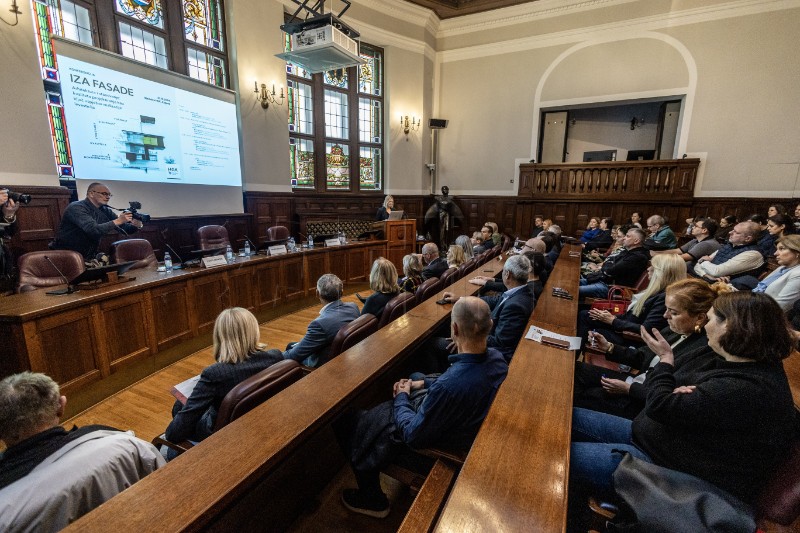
(81, 338)
(232, 463)
(515, 476)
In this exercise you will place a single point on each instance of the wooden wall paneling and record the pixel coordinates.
(13, 352)
(209, 295)
(357, 265)
(376, 251)
(315, 265)
(270, 283)
(338, 264)
(37, 221)
(243, 287)
(293, 277)
(125, 331)
(78, 367)
(170, 311)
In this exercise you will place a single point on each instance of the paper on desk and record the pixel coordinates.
(536, 334)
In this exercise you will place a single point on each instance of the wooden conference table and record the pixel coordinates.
(81, 338)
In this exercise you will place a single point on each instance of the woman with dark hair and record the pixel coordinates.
(622, 393)
(636, 220)
(726, 224)
(776, 209)
(730, 422)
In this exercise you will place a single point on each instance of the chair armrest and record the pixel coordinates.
(632, 337)
(179, 447)
(437, 453)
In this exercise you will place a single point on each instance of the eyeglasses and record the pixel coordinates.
(105, 194)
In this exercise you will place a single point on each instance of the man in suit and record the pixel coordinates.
(313, 349)
(511, 310)
(434, 265)
(444, 411)
(624, 268)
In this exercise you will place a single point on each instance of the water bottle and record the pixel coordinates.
(310, 241)
(167, 262)
(246, 247)
(291, 244)
(229, 254)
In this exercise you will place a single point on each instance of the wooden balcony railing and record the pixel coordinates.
(641, 180)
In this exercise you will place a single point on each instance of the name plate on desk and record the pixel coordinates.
(214, 261)
(278, 249)
(332, 242)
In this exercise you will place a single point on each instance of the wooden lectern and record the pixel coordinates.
(401, 236)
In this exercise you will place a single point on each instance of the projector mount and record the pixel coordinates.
(316, 17)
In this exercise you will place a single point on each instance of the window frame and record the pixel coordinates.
(319, 139)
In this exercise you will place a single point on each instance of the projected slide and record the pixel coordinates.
(126, 128)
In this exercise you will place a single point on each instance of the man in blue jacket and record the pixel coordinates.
(449, 415)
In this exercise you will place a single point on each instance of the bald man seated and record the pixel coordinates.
(49, 477)
(443, 411)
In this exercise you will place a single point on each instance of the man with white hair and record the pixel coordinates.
(49, 476)
(435, 266)
(661, 236)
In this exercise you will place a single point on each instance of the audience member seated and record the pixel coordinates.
(625, 268)
(783, 284)
(703, 243)
(313, 348)
(726, 224)
(635, 220)
(511, 311)
(496, 237)
(594, 258)
(383, 282)
(622, 393)
(443, 411)
(455, 256)
(49, 477)
(777, 227)
(766, 244)
(776, 209)
(412, 270)
(730, 423)
(661, 236)
(645, 309)
(550, 255)
(477, 243)
(796, 219)
(238, 356)
(602, 239)
(434, 265)
(386, 209)
(739, 256)
(466, 244)
(535, 283)
(538, 225)
(546, 223)
(592, 230)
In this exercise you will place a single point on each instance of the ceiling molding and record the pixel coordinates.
(734, 9)
(381, 37)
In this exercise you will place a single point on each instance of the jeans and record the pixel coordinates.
(598, 289)
(598, 443)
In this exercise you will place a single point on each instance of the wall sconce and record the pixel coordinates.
(14, 9)
(266, 97)
(412, 125)
(637, 123)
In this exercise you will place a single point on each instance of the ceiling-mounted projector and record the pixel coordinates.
(322, 43)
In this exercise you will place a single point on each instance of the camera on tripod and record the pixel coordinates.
(137, 215)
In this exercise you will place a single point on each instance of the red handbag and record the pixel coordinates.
(619, 298)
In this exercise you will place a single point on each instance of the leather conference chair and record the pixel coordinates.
(210, 237)
(35, 271)
(428, 288)
(352, 333)
(397, 306)
(245, 396)
(139, 250)
(449, 276)
(277, 233)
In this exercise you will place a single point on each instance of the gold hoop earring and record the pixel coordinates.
(697, 328)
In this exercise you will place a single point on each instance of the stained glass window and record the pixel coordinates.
(75, 22)
(337, 163)
(370, 120)
(336, 115)
(369, 168)
(301, 108)
(146, 11)
(301, 163)
(142, 45)
(205, 67)
(202, 22)
(370, 74)
(337, 78)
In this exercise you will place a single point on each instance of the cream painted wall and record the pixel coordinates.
(27, 151)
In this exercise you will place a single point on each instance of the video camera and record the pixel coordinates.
(18, 197)
(134, 210)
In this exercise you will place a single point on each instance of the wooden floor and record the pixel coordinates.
(146, 406)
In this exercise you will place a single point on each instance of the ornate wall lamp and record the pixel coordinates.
(266, 97)
(409, 125)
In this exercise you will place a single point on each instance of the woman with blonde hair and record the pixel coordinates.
(412, 270)
(622, 393)
(239, 355)
(646, 307)
(383, 282)
(465, 242)
(386, 209)
(455, 256)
